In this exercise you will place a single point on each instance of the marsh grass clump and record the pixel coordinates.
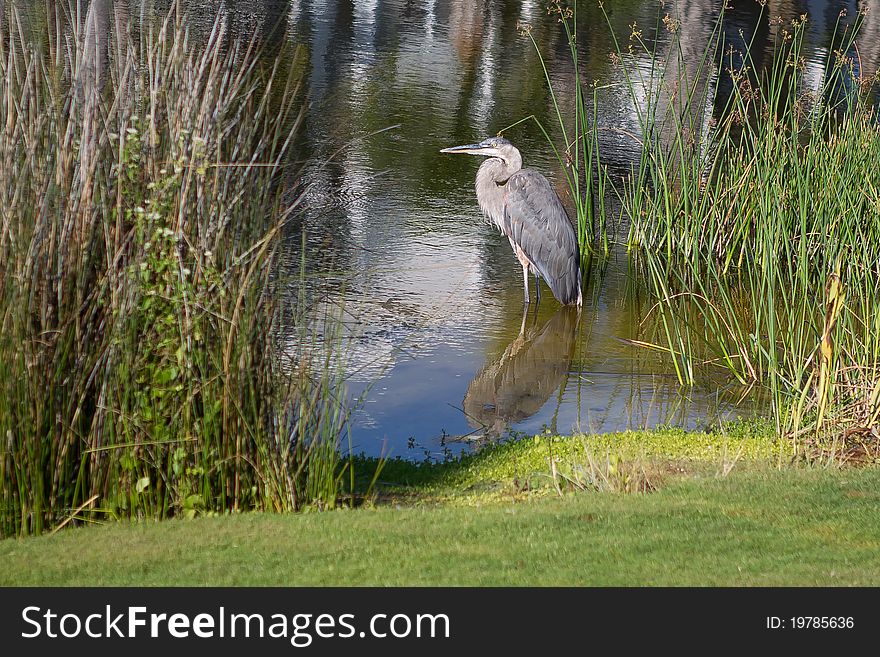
(604, 473)
(754, 216)
(141, 210)
(763, 246)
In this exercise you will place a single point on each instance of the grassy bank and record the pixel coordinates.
(546, 465)
(704, 524)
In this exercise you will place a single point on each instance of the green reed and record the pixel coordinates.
(756, 231)
(143, 367)
(579, 157)
(760, 236)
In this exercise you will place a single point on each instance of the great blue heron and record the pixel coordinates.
(524, 207)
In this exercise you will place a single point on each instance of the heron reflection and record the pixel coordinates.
(518, 384)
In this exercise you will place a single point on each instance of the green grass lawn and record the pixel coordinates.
(757, 526)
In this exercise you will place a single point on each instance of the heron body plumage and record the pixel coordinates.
(522, 204)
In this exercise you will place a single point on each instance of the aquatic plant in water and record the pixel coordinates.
(756, 229)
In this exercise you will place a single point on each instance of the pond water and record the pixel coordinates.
(442, 357)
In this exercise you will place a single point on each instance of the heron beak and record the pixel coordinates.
(470, 149)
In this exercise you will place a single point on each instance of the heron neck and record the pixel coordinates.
(499, 170)
(491, 178)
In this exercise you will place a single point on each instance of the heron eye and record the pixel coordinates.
(494, 144)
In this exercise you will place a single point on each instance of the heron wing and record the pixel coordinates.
(536, 221)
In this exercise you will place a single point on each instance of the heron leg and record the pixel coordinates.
(526, 283)
(537, 289)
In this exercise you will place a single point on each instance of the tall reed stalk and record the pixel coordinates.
(141, 208)
(579, 157)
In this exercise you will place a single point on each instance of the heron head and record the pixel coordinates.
(493, 147)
